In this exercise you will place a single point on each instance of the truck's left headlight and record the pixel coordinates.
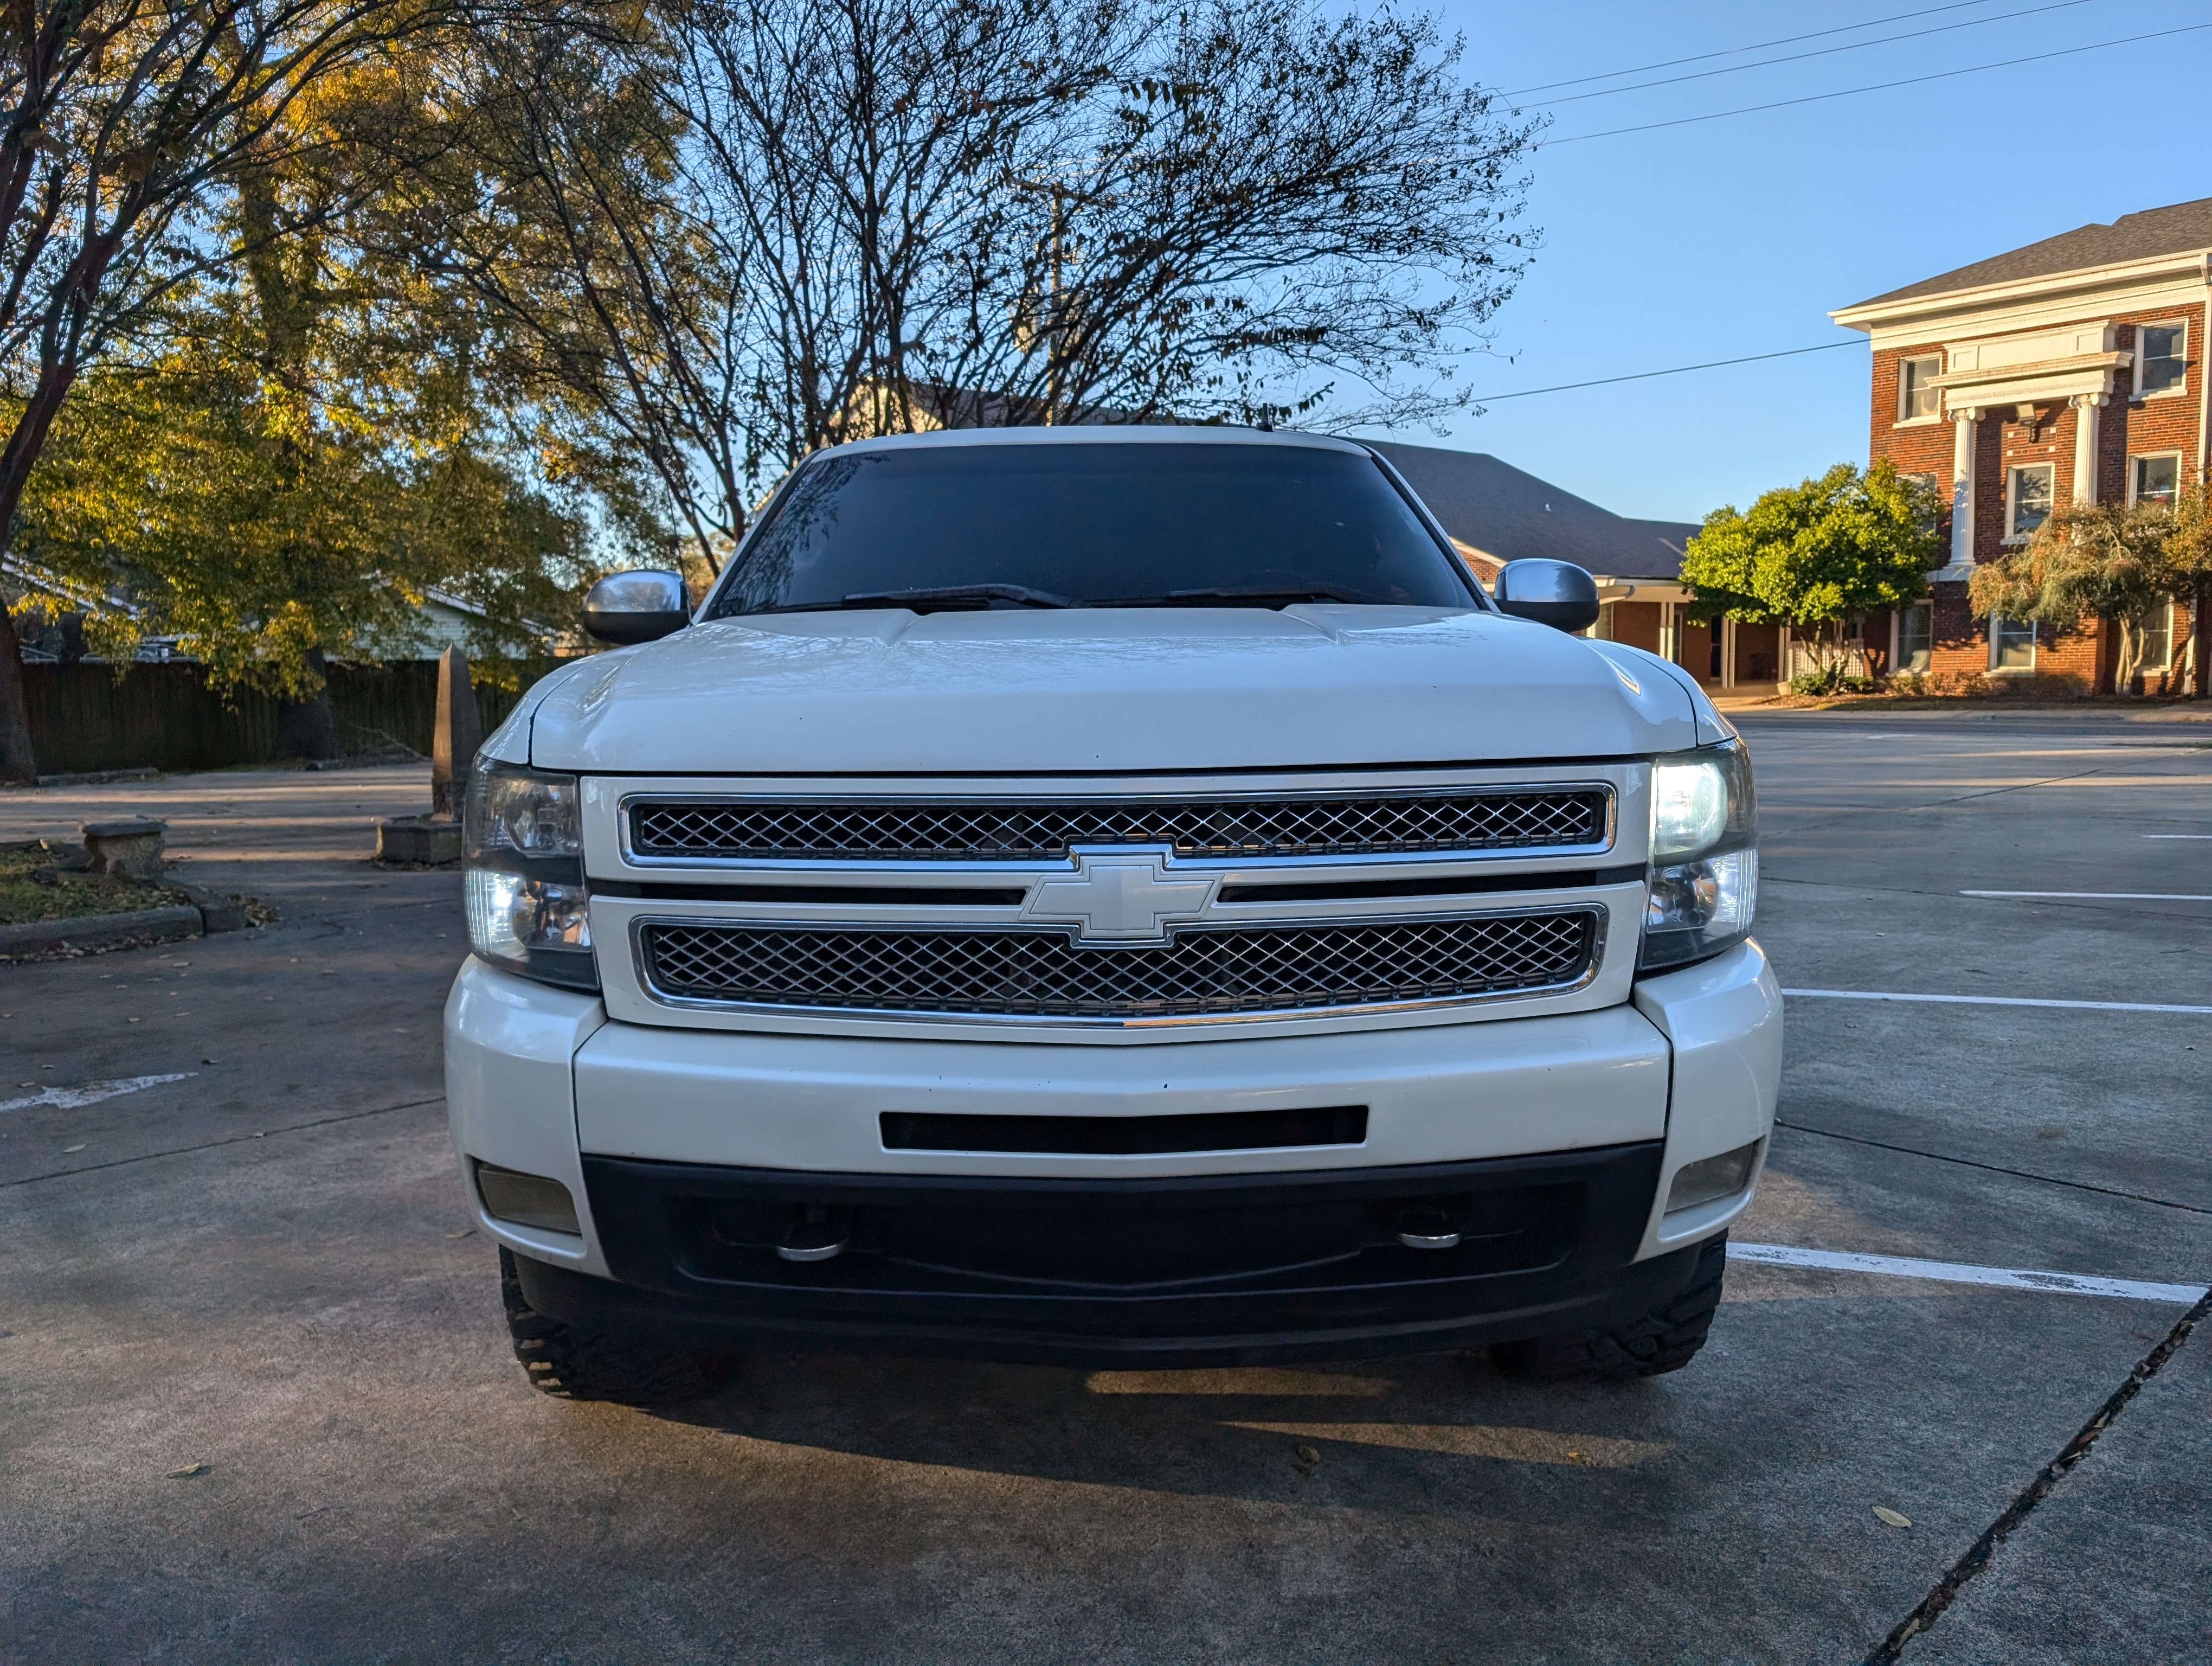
(1704, 856)
(523, 848)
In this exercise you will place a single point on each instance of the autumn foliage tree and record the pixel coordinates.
(2119, 562)
(127, 128)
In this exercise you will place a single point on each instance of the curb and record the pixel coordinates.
(94, 931)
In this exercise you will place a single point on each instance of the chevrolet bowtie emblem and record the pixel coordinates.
(1120, 895)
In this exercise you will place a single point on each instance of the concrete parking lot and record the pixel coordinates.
(261, 1268)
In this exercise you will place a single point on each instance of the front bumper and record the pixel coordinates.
(1238, 1270)
(1552, 1141)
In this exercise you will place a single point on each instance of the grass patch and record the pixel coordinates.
(24, 899)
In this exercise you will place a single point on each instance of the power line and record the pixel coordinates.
(1646, 375)
(1848, 92)
(1759, 46)
(1823, 52)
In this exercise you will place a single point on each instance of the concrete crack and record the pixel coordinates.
(1977, 1557)
(1993, 1168)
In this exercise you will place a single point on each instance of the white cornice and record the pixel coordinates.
(1945, 313)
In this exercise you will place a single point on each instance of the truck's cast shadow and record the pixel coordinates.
(1436, 1433)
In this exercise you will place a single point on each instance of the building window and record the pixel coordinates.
(2012, 644)
(1929, 497)
(2158, 640)
(1917, 400)
(2154, 479)
(1916, 636)
(2161, 356)
(2027, 498)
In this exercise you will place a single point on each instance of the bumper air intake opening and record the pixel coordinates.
(1126, 1136)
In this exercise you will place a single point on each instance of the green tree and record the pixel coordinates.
(1813, 554)
(2102, 560)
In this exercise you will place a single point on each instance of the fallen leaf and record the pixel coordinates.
(185, 1472)
(67, 1150)
(131, 1021)
(465, 1232)
(1307, 1455)
(1892, 1516)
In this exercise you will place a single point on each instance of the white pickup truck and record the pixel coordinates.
(1108, 896)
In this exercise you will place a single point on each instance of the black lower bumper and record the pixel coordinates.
(1215, 1270)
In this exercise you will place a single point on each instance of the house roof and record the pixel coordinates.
(1507, 514)
(2182, 228)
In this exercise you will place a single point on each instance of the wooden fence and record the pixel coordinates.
(84, 718)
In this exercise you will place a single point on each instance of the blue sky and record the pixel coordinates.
(1737, 236)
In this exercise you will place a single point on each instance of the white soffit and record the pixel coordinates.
(2135, 286)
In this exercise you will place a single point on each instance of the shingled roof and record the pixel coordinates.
(1496, 509)
(2184, 228)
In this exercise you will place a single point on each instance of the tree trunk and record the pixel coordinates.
(17, 767)
(2200, 621)
(309, 728)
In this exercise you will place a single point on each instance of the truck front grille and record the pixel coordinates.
(1202, 972)
(1044, 830)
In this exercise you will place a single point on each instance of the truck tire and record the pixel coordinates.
(1665, 1339)
(570, 1364)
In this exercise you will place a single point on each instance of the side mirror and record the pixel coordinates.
(1557, 594)
(639, 606)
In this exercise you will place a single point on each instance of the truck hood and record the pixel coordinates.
(1106, 690)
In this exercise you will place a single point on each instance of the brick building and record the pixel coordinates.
(2067, 371)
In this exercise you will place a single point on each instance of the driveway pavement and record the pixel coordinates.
(261, 1268)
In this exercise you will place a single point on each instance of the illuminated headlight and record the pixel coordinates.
(523, 847)
(1704, 857)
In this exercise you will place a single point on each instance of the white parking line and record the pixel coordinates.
(1946, 1272)
(2101, 895)
(2177, 836)
(1993, 1001)
(72, 1098)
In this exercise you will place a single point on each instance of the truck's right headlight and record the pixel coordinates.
(523, 850)
(1704, 856)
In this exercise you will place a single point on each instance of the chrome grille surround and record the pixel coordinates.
(1202, 974)
(697, 830)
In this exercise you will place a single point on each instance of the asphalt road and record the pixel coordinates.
(254, 1268)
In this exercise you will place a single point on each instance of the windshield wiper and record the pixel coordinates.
(1288, 596)
(957, 595)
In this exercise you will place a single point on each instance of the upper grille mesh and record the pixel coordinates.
(795, 830)
(1219, 970)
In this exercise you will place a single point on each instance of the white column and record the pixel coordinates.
(1962, 487)
(2085, 446)
(1670, 635)
(1728, 651)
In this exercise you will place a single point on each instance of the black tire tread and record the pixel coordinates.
(1665, 1339)
(569, 1364)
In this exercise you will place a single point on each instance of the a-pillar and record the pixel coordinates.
(1962, 489)
(2085, 446)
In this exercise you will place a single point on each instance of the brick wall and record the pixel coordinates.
(2127, 429)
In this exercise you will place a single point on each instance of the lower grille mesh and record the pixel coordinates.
(1222, 971)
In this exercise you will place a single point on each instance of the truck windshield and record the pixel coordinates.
(1075, 525)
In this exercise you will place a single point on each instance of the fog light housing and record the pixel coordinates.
(527, 1199)
(1712, 1178)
